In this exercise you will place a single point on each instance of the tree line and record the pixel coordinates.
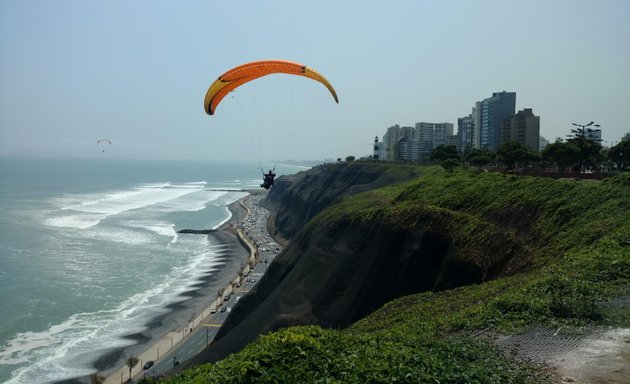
(577, 154)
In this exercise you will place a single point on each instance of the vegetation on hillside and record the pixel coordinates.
(578, 234)
(577, 231)
(577, 154)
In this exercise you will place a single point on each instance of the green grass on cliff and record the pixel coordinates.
(578, 240)
(314, 355)
(577, 233)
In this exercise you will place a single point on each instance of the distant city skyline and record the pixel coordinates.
(492, 122)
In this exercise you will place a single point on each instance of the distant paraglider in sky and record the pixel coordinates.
(103, 142)
(242, 74)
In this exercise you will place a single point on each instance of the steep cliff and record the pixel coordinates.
(487, 251)
(296, 199)
(544, 252)
(350, 260)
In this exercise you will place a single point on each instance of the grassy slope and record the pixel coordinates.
(579, 238)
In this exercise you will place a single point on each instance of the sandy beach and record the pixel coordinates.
(181, 314)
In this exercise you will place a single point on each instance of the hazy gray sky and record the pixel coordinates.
(136, 72)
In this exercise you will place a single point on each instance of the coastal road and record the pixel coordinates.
(194, 343)
(255, 225)
(198, 339)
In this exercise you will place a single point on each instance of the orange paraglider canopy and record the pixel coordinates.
(242, 74)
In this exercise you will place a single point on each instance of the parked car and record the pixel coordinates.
(148, 364)
(213, 310)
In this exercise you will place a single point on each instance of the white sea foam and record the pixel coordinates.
(120, 234)
(89, 210)
(228, 217)
(160, 228)
(76, 220)
(225, 201)
(189, 203)
(68, 349)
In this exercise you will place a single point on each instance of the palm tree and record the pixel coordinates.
(132, 361)
(588, 145)
(96, 378)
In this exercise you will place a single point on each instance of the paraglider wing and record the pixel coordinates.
(103, 141)
(242, 74)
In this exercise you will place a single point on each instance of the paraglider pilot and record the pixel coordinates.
(268, 181)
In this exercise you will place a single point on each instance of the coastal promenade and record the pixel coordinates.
(163, 351)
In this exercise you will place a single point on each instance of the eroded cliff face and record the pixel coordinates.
(296, 199)
(340, 268)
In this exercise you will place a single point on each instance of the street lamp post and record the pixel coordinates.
(580, 133)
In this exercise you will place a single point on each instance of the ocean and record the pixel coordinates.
(89, 253)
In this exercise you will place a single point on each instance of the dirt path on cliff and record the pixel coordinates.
(591, 356)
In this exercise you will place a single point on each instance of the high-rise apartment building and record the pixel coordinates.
(441, 131)
(431, 135)
(476, 121)
(389, 149)
(413, 143)
(465, 134)
(407, 146)
(489, 116)
(523, 128)
(424, 134)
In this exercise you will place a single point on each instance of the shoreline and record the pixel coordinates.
(183, 314)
